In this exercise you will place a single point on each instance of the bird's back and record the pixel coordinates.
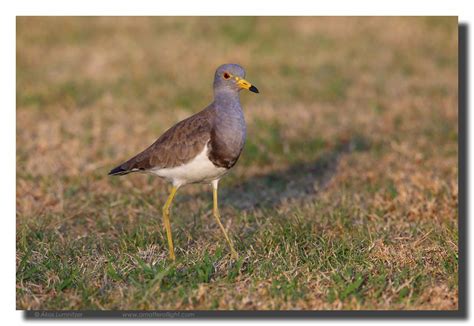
(177, 146)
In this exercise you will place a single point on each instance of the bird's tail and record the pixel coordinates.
(119, 170)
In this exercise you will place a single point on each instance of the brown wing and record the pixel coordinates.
(178, 145)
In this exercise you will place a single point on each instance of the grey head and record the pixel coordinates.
(230, 78)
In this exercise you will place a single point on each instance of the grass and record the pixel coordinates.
(345, 196)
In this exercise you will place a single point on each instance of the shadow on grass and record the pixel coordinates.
(299, 181)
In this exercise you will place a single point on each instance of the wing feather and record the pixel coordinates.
(177, 146)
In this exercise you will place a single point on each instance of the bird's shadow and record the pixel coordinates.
(297, 182)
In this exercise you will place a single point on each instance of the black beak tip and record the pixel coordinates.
(253, 89)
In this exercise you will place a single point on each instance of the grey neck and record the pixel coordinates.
(229, 122)
(227, 98)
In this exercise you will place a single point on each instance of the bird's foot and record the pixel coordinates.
(234, 255)
(172, 257)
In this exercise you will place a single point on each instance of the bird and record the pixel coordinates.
(201, 148)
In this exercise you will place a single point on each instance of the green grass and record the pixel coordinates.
(284, 256)
(345, 196)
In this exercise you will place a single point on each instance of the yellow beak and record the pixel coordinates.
(246, 85)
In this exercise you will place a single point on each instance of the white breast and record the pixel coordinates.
(199, 169)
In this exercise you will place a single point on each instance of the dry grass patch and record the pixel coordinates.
(345, 196)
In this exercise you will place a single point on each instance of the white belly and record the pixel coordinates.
(199, 169)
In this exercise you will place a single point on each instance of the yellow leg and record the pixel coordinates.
(166, 220)
(218, 219)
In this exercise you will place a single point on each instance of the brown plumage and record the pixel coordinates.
(177, 146)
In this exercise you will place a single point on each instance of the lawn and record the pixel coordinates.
(345, 197)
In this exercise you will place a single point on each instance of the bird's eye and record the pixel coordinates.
(226, 75)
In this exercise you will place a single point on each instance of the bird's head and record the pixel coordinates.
(231, 77)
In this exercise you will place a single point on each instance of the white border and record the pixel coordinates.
(174, 7)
